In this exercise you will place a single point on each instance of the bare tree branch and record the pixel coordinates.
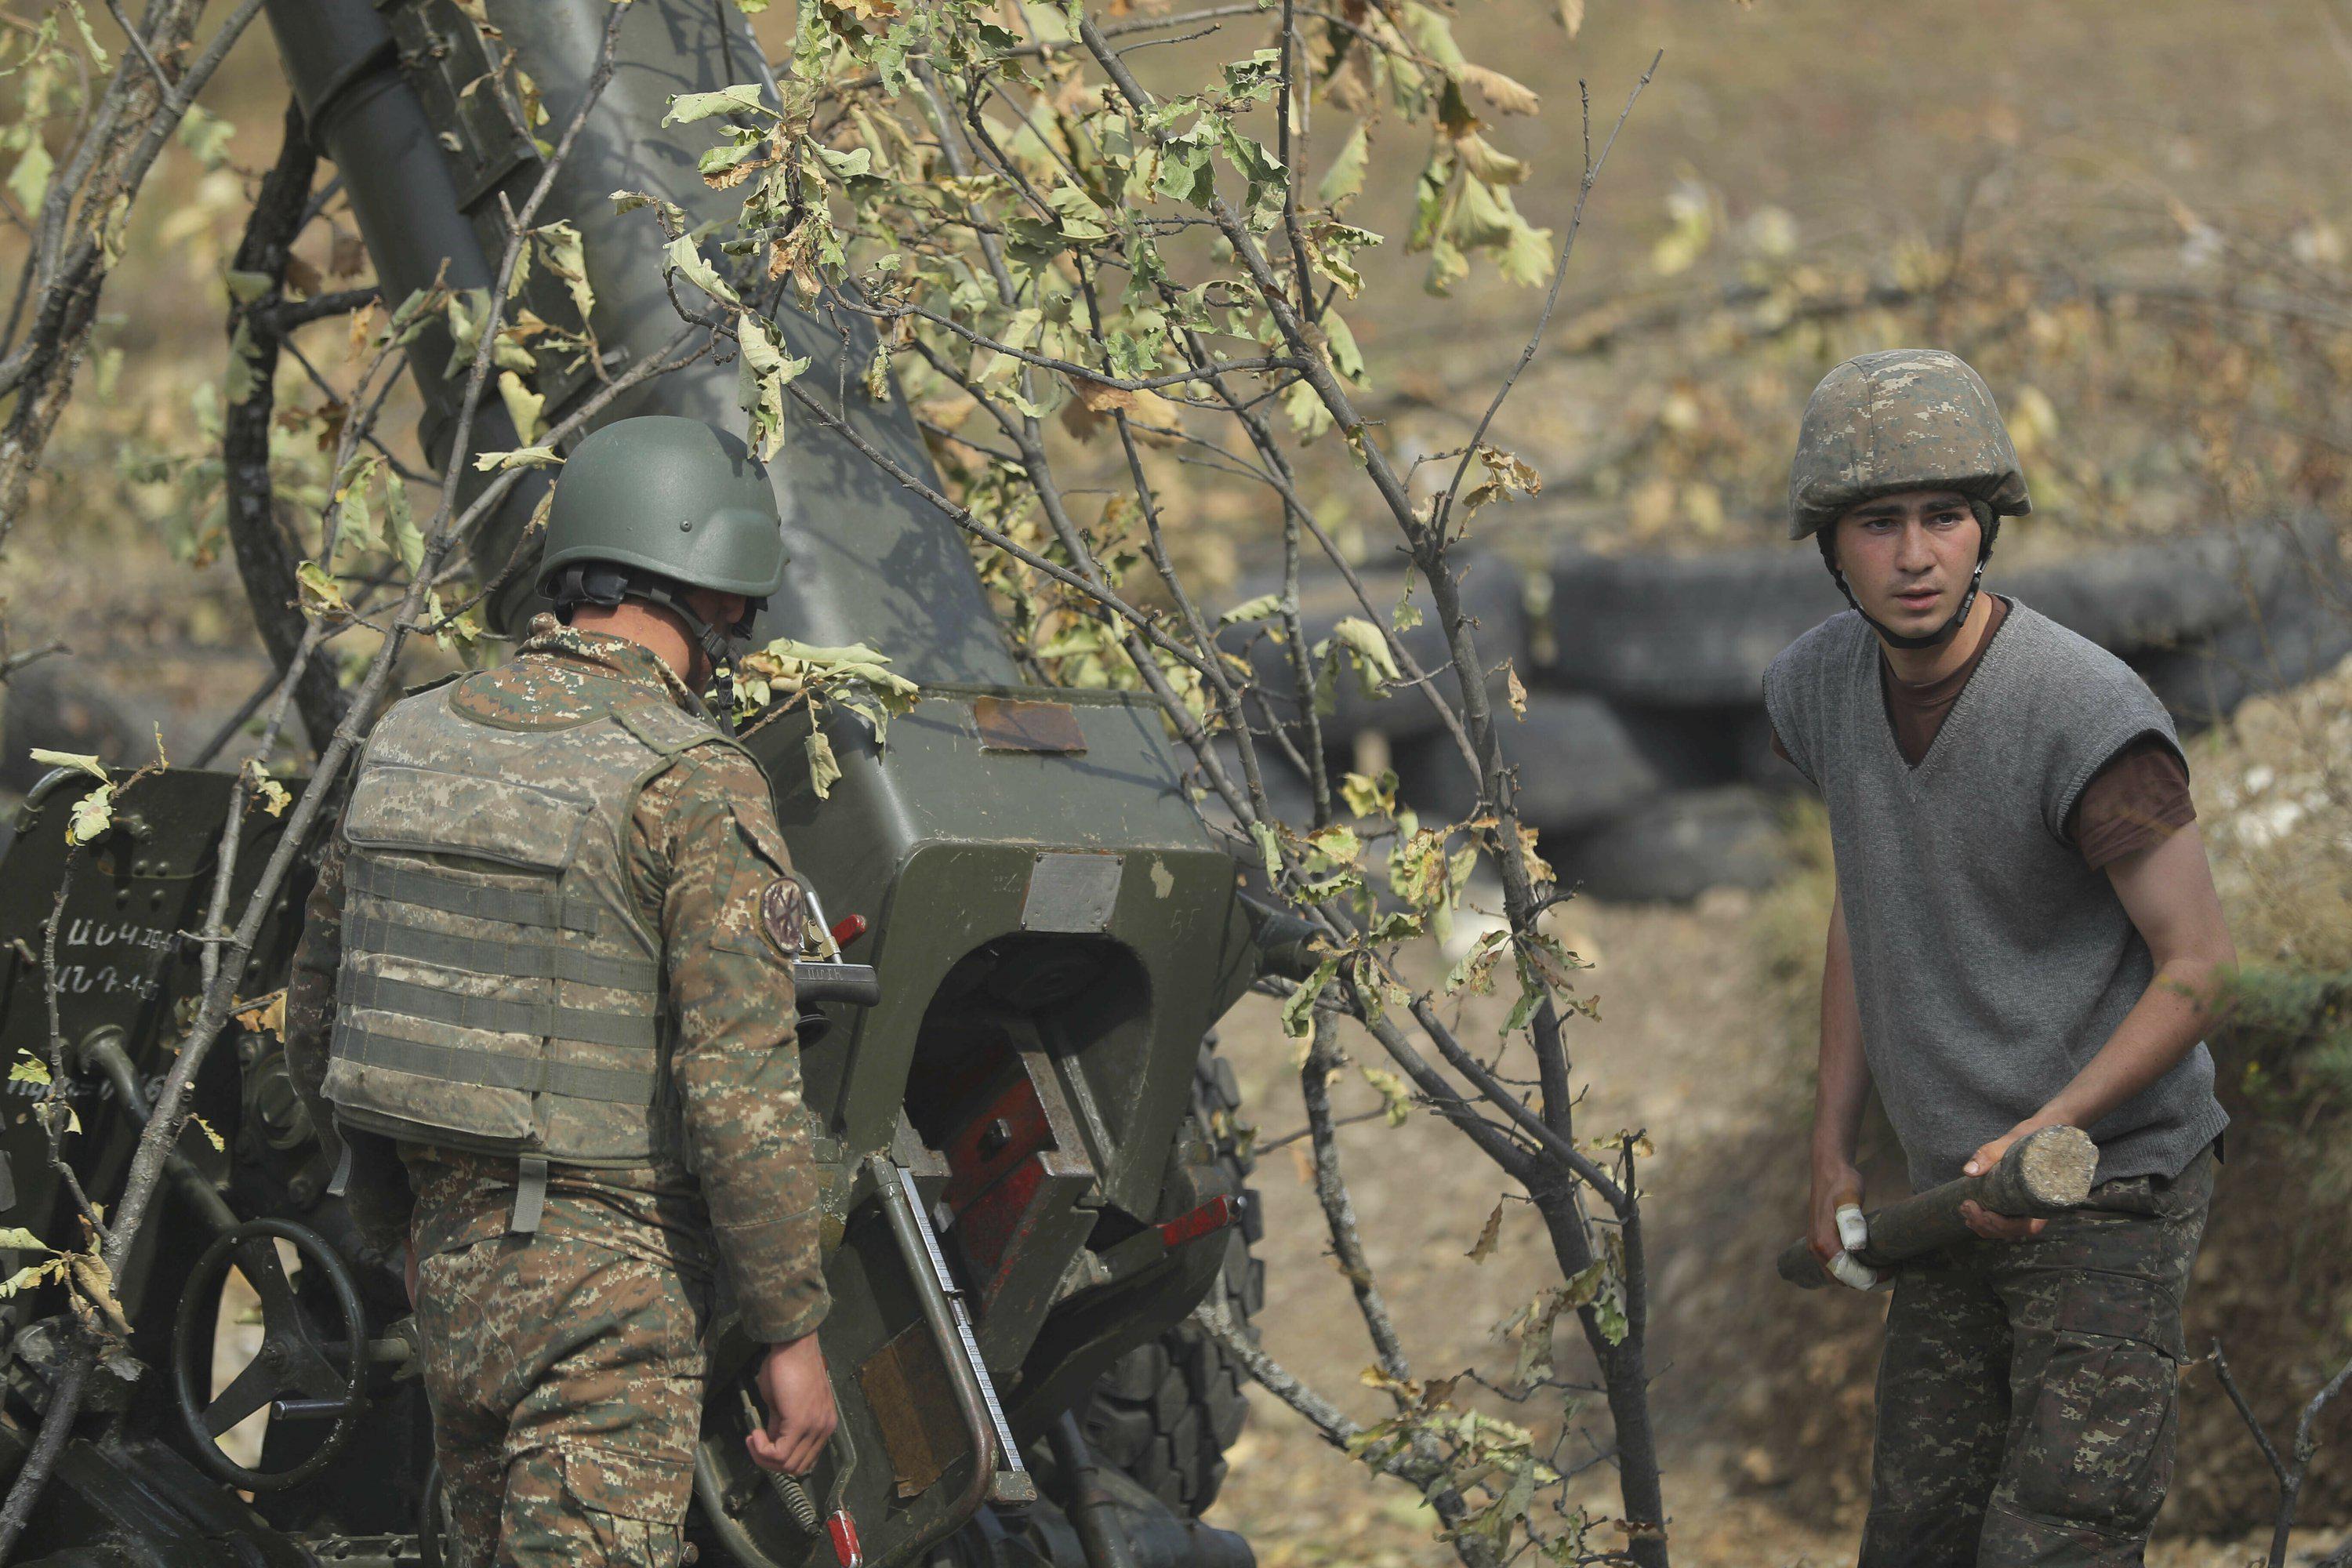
(2290, 1476)
(265, 558)
(88, 200)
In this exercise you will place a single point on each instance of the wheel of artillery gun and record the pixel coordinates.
(294, 1372)
(1167, 1410)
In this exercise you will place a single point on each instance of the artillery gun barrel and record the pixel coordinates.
(2045, 1173)
(408, 99)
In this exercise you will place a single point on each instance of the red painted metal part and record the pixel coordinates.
(993, 1224)
(992, 1189)
(1014, 1124)
(847, 928)
(1213, 1215)
(844, 1531)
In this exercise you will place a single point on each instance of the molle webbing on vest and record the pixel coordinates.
(489, 1069)
(545, 908)
(501, 989)
(527, 958)
(497, 1015)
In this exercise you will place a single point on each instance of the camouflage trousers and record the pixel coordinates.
(566, 1381)
(2029, 1391)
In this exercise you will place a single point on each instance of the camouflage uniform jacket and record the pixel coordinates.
(704, 850)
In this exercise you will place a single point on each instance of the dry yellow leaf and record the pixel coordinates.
(1489, 1235)
(1509, 96)
(264, 1015)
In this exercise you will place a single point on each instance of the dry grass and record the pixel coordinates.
(2274, 791)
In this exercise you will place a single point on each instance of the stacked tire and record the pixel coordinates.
(1166, 1412)
(1643, 757)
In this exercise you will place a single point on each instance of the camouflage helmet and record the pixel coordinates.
(674, 497)
(1903, 419)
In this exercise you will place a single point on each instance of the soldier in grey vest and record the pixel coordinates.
(2025, 934)
(544, 993)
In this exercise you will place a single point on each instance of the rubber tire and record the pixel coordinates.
(1676, 847)
(1166, 1412)
(2174, 593)
(2303, 629)
(1582, 762)
(1699, 631)
(1675, 631)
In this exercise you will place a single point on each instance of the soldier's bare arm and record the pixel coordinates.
(1840, 1088)
(2167, 887)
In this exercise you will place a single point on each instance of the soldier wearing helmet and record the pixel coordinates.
(544, 993)
(2025, 934)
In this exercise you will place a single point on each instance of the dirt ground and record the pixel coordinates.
(1689, 1047)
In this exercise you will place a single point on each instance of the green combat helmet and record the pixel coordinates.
(1903, 419)
(651, 507)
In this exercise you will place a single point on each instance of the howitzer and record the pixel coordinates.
(1027, 1184)
(2045, 1173)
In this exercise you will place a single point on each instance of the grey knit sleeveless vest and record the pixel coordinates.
(500, 990)
(1991, 962)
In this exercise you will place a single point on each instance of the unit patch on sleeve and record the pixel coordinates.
(783, 915)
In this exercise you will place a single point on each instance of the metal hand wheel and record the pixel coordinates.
(300, 1374)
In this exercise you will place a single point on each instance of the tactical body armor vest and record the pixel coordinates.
(500, 990)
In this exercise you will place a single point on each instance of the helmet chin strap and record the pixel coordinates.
(605, 584)
(1951, 627)
(717, 645)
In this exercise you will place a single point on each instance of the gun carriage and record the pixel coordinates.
(1029, 1180)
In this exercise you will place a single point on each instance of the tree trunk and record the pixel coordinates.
(1624, 1366)
(267, 556)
